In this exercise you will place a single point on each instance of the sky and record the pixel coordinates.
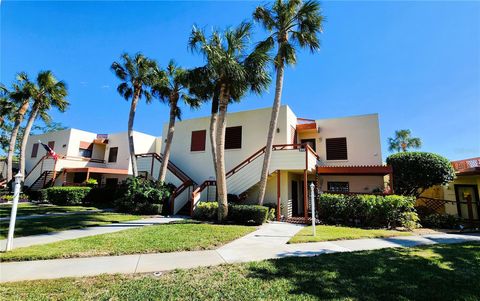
(415, 63)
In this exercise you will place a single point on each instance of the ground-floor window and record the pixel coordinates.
(111, 182)
(338, 186)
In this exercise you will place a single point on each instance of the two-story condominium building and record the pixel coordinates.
(339, 155)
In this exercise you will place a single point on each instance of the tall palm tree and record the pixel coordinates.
(7, 106)
(402, 141)
(171, 87)
(138, 74)
(20, 95)
(235, 71)
(46, 92)
(290, 23)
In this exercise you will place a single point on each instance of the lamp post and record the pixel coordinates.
(312, 197)
(13, 215)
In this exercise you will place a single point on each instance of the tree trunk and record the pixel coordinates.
(220, 145)
(213, 132)
(26, 133)
(131, 118)
(13, 139)
(168, 144)
(271, 133)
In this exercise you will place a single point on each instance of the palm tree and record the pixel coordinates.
(7, 107)
(20, 96)
(137, 74)
(403, 141)
(46, 93)
(170, 88)
(235, 72)
(290, 23)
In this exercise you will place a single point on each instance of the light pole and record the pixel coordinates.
(13, 215)
(312, 197)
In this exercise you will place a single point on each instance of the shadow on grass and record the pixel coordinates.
(441, 272)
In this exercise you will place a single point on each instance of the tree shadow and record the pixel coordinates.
(440, 272)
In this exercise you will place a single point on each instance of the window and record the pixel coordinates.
(198, 141)
(111, 182)
(112, 155)
(51, 144)
(233, 137)
(336, 148)
(34, 150)
(338, 186)
(84, 152)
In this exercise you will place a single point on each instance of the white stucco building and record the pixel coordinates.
(341, 155)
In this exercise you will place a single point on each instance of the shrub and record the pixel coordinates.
(368, 210)
(206, 211)
(248, 214)
(9, 198)
(143, 196)
(65, 195)
(91, 182)
(442, 221)
(413, 172)
(104, 197)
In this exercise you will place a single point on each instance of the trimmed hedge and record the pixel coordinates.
(441, 221)
(368, 210)
(104, 197)
(65, 196)
(239, 214)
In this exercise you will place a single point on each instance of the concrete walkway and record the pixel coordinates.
(269, 241)
(31, 240)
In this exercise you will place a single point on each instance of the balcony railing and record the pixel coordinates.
(463, 165)
(306, 124)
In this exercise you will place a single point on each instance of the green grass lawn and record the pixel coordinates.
(40, 225)
(441, 272)
(325, 233)
(30, 209)
(149, 239)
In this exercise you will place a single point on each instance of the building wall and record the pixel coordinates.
(361, 184)
(449, 191)
(363, 139)
(198, 165)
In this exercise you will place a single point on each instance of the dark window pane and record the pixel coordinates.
(112, 155)
(34, 150)
(338, 186)
(233, 137)
(198, 140)
(336, 148)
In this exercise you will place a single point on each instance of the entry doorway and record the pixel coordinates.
(311, 142)
(295, 199)
(468, 206)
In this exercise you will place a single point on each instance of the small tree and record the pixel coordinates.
(403, 141)
(413, 172)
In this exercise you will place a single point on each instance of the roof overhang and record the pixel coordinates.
(376, 170)
(469, 172)
(113, 171)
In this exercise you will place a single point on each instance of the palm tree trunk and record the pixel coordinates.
(168, 144)
(131, 118)
(271, 133)
(13, 139)
(26, 133)
(220, 145)
(213, 132)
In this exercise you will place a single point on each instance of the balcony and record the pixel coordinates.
(467, 166)
(306, 124)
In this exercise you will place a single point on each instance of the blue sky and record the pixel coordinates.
(417, 64)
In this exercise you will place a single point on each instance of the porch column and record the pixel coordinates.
(278, 195)
(64, 177)
(88, 174)
(390, 175)
(305, 195)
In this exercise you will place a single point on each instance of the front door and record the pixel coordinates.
(468, 206)
(311, 142)
(295, 198)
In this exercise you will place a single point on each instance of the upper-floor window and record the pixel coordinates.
(51, 144)
(112, 155)
(34, 150)
(233, 137)
(198, 141)
(338, 186)
(85, 149)
(336, 148)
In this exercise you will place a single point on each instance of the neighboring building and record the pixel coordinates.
(341, 155)
(459, 197)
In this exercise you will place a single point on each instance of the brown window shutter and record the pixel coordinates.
(198, 140)
(336, 148)
(34, 150)
(233, 137)
(51, 144)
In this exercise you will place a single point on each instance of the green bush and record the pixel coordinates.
(440, 221)
(413, 172)
(248, 214)
(368, 210)
(65, 195)
(9, 197)
(206, 211)
(143, 196)
(104, 197)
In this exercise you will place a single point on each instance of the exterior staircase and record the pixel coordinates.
(44, 180)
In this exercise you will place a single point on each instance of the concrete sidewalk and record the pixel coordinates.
(31, 240)
(269, 241)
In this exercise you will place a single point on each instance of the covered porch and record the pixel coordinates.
(104, 176)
